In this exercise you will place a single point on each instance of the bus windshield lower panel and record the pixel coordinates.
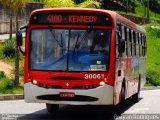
(70, 49)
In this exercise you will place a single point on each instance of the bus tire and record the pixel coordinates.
(122, 94)
(119, 107)
(52, 108)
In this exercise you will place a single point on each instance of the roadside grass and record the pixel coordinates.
(153, 55)
(11, 60)
(7, 85)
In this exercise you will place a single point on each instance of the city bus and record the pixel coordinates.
(80, 56)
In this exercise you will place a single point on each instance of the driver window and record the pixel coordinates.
(100, 43)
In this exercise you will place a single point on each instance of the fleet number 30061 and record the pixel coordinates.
(94, 76)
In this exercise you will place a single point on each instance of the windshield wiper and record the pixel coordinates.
(60, 44)
(50, 29)
(77, 45)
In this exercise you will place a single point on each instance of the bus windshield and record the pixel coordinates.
(70, 49)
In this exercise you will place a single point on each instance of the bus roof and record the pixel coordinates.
(115, 16)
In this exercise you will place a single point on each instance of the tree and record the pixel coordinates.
(89, 4)
(71, 3)
(15, 5)
(148, 15)
(58, 3)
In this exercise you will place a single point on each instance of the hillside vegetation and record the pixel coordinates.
(140, 8)
(153, 54)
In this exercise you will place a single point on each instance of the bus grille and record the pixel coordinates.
(76, 98)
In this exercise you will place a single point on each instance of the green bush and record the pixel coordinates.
(6, 84)
(9, 48)
(7, 87)
(153, 77)
(21, 71)
(2, 75)
(9, 83)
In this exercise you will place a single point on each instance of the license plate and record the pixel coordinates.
(67, 94)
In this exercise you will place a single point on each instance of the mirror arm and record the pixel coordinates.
(21, 51)
(23, 27)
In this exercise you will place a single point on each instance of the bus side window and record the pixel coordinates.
(140, 45)
(145, 49)
(144, 46)
(132, 36)
(137, 44)
(128, 42)
(123, 37)
(117, 41)
(134, 42)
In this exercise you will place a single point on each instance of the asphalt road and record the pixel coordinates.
(149, 103)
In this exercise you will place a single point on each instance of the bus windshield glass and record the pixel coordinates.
(70, 49)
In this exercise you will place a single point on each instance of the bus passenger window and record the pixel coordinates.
(140, 45)
(126, 42)
(130, 40)
(143, 45)
(124, 37)
(137, 44)
(145, 48)
(135, 38)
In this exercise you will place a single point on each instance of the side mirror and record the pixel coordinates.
(19, 38)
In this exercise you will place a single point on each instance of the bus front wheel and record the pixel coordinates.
(52, 108)
(123, 95)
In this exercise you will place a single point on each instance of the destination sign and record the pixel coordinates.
(72, 19)
(68, 18)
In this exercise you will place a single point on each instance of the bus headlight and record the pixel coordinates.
(102, 83)
(35, 82)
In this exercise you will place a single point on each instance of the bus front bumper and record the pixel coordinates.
(102, 95)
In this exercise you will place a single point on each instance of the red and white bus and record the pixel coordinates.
(82, 57)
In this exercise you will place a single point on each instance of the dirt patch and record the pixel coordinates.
(6, 68)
